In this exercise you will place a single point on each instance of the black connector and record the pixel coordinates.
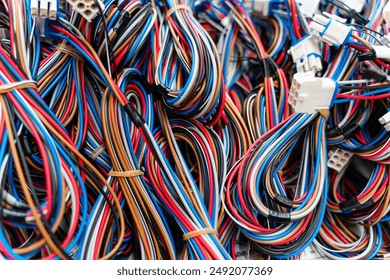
(371, 55)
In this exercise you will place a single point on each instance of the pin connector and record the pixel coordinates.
(356, 5)
(339, 159)
(261, 7)
(308, 7)
(44, 9)
(330, 29)
(385, 121)
(309, 93)
(306, 54)
(87, 8)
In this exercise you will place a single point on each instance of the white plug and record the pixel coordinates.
(260, 7)
(386, 14)
(44, 9)
(34, 7)
(382, 52)
(330, 29)
(339, 159)
(385, 121)
(309, 93)
(87, 8)
(357, 5)
(306, 54)
(308, 7)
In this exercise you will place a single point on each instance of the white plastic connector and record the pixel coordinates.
(306, 54)
(308, 7)
(34, 7)
(330, 29)
(357, 5)
(339, 159)
(309, 93)
(44, 9)
(386, 14)
(87, 8)
(385, 40)
(382, 52)
(53, 10)
(385, 121)
(261, 7)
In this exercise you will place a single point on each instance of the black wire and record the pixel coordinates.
(364, 27)
(32, 189)
(372, 36)
(110, 47)
(94, 178)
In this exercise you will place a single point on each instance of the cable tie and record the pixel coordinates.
(199, 232)
(176, 8)
(126, 174)
(5, 88)
(97, 152)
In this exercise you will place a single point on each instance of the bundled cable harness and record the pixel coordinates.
(194, 129)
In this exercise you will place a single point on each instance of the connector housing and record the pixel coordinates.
(339, 159)
(309, 93)
(306, 54)
(385, 121)
(386, 14)
(308, 7)
(357, 5)
(261, 7)
(44, 9)
(330, 29)
(382, 52)
(87, 8)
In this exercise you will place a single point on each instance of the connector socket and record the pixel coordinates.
(87, 8)
(34, 8)
(262, 7)
(306, 54)
(331, 29)
(385, 121)
(339, 159)
(309, 93)
(357, 5)
(382, 52)
(308, 7)
(386, 14)
(44, 9)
